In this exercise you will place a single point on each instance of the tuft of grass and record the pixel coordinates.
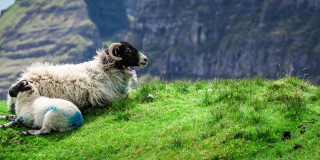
(216, 119)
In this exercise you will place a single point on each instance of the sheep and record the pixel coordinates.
(92, 83)
(35, 111)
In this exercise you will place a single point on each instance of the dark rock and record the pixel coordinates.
(296, 146)
(286, 134)
(109, 17)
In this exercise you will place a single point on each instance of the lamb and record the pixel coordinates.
(92, 83)
(35, 111)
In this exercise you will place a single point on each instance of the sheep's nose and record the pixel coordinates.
(145, 59)
(11, 93)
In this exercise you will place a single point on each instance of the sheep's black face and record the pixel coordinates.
(130, 56)
(20, 87)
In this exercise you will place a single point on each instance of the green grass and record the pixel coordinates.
(217, 119)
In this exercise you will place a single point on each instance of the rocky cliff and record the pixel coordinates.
(228, 38)
(183, 39)
(57, 31)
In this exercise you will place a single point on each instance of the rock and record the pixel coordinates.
(286, 134)
(247, 41)
(296, 146)
(150, 96)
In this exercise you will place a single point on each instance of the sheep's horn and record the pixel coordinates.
(111, 48)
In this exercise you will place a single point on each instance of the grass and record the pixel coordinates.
(217, 119)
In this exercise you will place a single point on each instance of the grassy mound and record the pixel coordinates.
(203, 119)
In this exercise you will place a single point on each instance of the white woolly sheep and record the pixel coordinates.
(35, 111)
(92, 83)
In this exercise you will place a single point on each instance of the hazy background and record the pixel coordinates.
(183, 39)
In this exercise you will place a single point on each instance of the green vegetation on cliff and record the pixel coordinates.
(228, 119)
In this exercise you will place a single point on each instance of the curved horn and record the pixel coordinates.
(111, 48)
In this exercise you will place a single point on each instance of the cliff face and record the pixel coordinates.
(109, 16)
(182, 39)
(217, 38)
(60, 31)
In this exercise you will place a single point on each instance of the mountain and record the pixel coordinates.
(61, 31)
(186, 39)
(229, 38)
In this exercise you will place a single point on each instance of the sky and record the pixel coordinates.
(4, 4)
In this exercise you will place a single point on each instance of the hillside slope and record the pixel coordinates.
(217, 119)
(214, 38)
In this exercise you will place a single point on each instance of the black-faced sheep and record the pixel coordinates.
(35, 111)
(92, 83)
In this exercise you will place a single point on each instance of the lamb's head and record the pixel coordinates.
(126, 55)
(23, 87)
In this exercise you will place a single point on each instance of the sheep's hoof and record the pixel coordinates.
(24, 133)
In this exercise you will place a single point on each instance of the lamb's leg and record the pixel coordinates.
(12, 123)
(11, 103)
(35, 132)
(9, 117)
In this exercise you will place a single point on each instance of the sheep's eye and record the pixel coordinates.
(30, 92)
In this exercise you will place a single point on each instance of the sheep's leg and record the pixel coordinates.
(12, 123)
(35, 132)
(9, 117)
(11, 103)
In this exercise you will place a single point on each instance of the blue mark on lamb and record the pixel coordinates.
(53, 108)
(76, 120)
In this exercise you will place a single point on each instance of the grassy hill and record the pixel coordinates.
(214, 119)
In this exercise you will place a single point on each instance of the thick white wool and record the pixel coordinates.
(93, 83)
(47, 113)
